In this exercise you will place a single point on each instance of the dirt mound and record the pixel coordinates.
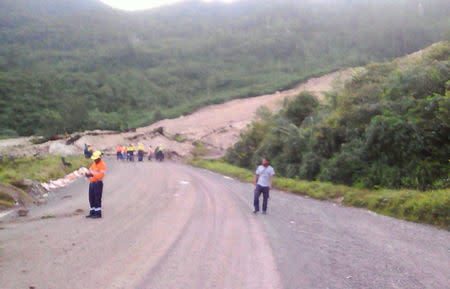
(215, 127)
(62, 149)
(14, 196)
(218, 126)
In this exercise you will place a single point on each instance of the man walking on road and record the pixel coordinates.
(95, 175)
(263, 183)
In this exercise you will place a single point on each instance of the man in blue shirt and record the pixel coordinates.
(263, 182)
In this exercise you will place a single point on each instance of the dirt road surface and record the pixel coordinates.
(168, 225)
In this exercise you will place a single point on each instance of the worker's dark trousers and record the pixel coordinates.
(265, 192)
(95, 198)
(131, 154)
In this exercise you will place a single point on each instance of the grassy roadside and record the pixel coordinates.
(430, 207)
(13, 172)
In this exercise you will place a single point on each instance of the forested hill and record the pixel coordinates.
(389, 127)
(78, 64)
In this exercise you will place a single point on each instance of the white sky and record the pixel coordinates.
(131, 5)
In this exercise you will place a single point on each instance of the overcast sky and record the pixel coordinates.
(147, 4)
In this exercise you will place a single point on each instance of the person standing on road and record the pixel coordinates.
(96, 174)
(140, 152)
(88, 151)
(131, 150)
(119, 152)
(124, 153)
(159, 153)
(263, 183)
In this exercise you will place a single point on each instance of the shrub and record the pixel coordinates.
(300, 107)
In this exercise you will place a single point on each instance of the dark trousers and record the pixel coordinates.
(119, 155)
(95, 198)
(265, 192)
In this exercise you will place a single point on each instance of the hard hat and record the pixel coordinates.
(96, 155)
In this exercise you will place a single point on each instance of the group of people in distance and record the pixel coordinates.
(88, 150)
(128, 152)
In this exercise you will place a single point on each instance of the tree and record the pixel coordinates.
(300, 107)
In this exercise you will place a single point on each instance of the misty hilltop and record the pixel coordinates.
(72, 65)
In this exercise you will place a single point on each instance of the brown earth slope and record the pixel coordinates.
(216, 126)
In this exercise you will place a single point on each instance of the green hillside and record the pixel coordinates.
(73, 65)
(389, 127)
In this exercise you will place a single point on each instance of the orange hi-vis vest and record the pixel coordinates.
(118, 149)
(98, 170)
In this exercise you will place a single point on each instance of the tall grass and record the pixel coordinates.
(430, 207)
(39, 169)
(6, 200)
(13, 171)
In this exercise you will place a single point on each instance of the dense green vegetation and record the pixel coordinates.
(431, 207)
(389, 127)
(77, 64)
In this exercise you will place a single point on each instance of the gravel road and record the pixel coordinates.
(167, 225)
